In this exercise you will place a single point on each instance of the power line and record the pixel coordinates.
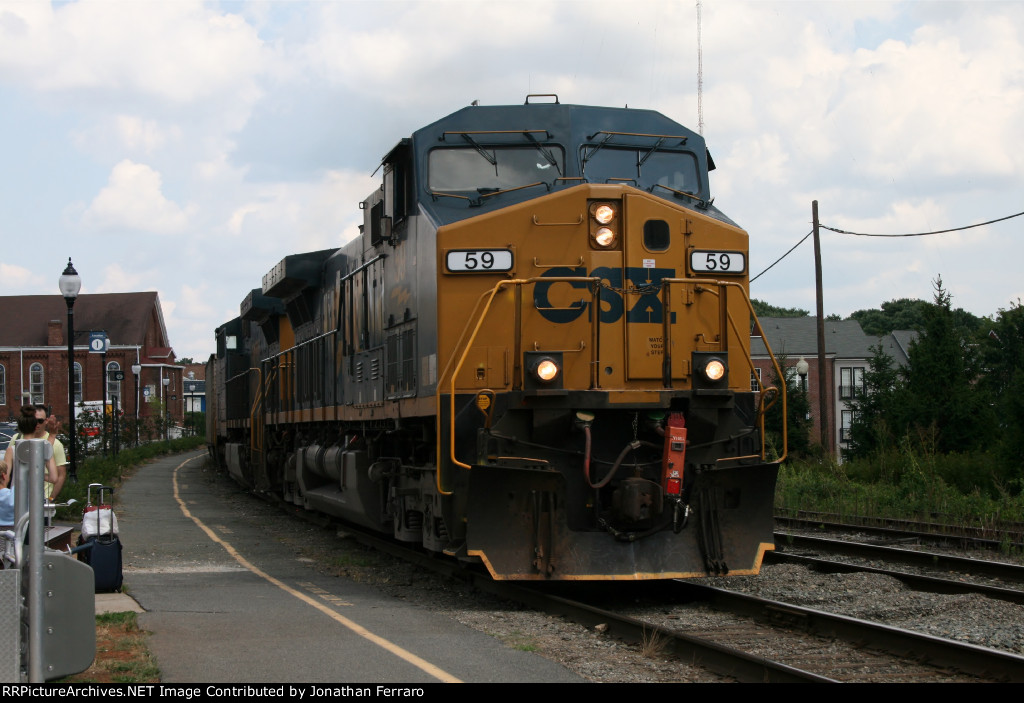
(783, 256)
(920, 234)
(863, 234)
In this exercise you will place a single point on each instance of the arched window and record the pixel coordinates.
(35, 383)
(3, 385)
(113, 387)
(78, 382)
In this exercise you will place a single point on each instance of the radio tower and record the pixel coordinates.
(700, 78)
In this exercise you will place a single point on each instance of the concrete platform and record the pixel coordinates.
(116, 603)
(227, 599)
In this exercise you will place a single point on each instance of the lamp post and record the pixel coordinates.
(136, 370)
(70, 283)
(166, 381)
(802, 367)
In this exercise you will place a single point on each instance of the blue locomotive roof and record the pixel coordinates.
(485, 157)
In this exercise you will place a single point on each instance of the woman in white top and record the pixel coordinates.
(31, 428)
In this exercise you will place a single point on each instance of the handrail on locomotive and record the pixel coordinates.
(465, 344)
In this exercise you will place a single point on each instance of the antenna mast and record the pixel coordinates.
(700, 78)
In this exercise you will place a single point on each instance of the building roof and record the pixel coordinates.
(844, 339)
(798, 336)
(125, 317)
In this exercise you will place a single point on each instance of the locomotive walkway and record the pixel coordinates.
(228, 601)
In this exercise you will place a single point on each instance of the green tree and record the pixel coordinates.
(879, 418)
(908, 314)
(798, 409)
(763, 309)
(901, 314)
(1001, 350)
(941, 375)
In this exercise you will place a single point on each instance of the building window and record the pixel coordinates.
(851, 382)
(113, 387)
(846, 422)
(35, 384)
(3, 385)
(755, 381)
(78, 382)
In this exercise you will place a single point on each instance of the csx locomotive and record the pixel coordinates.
(534, 355)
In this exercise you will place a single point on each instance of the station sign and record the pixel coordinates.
(98, 342)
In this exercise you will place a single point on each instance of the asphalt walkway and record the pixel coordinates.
(228, 601)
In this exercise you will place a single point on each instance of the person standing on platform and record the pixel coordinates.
(30, 426)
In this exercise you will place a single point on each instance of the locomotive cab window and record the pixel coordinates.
(676, 170)
(494, 168)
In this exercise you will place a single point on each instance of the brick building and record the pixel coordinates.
(794, 341)
(34, 354)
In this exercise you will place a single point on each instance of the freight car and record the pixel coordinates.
(534, 355)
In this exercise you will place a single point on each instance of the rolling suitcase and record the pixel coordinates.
(100, 546)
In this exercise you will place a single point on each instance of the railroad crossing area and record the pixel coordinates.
(228, 598)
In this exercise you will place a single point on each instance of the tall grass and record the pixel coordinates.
(958, 489)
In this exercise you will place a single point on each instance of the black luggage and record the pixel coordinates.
(100, 546)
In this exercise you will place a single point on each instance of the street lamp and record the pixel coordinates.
(70, 283)
(802, 367)
(136, 370)
(166, 381)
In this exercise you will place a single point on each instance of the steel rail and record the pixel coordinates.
(720, 659)
(994, 569)
(919, 582)
(931, 533)
(968, 658)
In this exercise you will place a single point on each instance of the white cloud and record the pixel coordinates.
(302, 216)
(180, 51)
(18, 280)
(133, 200)
(117, 280)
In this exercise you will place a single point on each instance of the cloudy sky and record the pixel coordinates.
(186, 147)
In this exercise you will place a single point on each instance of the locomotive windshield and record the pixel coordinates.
(647, 167)
(494, 168)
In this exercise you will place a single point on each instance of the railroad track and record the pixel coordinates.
(743, 637)
(724, 633)
(984, 577)
(1010, 536)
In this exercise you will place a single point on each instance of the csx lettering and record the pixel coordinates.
(647, 307)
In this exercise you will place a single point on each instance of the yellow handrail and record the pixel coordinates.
(698, 282)
(478, 315)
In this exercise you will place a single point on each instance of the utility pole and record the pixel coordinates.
(823, 393)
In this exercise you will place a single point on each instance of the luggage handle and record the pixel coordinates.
(102, 489)
(97, 507)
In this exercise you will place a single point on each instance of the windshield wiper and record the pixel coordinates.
(649, 152)
(701, 203)
(544, 152)
(492, 160)
(488, 192)
(660, 137)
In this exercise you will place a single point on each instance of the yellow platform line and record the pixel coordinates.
(408, 656)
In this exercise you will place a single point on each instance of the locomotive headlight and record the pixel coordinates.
(543, 371)
(603, 213)
(604, 224)
(604, 237)
(546, 370)
(714, 370)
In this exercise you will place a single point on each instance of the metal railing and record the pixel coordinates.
(768, 396)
